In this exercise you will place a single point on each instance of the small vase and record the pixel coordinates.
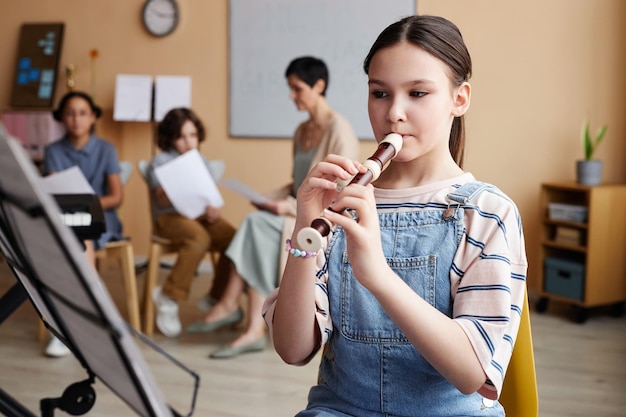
(589, 172)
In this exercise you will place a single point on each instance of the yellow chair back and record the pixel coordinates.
(519, 393)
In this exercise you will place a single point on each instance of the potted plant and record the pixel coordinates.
(589, 170)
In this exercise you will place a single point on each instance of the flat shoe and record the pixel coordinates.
(202, 327)
(232, 351)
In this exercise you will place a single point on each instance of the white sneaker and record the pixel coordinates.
(206, 303)
(56, 348)
(167, 320)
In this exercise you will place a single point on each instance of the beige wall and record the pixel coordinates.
(540, 68)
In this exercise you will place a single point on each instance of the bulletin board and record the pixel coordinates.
(37, 67)
(265, 35)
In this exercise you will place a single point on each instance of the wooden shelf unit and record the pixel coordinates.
(601, 248)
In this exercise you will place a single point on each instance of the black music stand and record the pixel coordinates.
(52, 270)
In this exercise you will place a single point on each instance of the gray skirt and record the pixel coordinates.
(255, 250)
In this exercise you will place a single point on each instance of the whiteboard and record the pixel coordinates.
(265, 35)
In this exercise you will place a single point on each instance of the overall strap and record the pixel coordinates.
(464, 194)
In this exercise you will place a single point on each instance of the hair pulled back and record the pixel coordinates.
(442, 39)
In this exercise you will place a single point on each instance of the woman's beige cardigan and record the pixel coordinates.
(338, 139)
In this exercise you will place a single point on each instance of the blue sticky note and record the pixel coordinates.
(22, 78)
(23, 64)
(34, 74)
(47, 76)
(45, 90)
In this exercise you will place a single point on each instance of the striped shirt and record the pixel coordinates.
(487, 277)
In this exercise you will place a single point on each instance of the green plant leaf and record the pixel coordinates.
(591, 145)
(600, 135)
(587, 147)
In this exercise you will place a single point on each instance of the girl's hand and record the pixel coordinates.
(319, 188)
(363, 239)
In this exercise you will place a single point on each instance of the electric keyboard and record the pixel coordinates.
(83, 214)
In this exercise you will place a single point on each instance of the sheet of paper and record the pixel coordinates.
(170, 91)
(133, 98)
(242, 189)
(188, 184)
(69, 181)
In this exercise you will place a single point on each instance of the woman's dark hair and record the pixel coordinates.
(442, 39)
(309, 69)
(57, 114)
(171, 125)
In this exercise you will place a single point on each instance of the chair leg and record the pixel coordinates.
(41, 331)
(152, 279)
(125, 255)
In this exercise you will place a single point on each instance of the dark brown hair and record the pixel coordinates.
(171, 125)
(57, 114)
(309, 69)
(442, 39)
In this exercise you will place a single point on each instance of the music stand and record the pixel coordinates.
(67, 293)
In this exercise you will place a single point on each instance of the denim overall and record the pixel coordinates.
(369, 367)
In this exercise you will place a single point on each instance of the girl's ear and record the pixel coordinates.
(461, 97)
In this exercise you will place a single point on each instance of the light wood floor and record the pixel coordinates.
(581, 369)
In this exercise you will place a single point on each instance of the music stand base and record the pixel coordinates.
(77, 399)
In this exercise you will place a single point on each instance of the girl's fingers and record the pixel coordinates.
(315, 182)
(327, 174)
(320, 187)
(361, 204)
(335, 166)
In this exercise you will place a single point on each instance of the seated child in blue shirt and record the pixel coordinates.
(97, 159)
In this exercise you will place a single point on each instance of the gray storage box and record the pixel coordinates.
(564, 277)
(567, 212)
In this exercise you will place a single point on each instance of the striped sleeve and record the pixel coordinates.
(488, 283)
(322, 313)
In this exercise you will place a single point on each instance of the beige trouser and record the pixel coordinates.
(195, 238)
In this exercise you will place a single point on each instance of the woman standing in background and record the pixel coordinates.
(256, 248)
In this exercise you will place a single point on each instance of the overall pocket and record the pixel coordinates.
(362, 317)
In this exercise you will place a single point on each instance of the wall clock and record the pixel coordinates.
(160, 17)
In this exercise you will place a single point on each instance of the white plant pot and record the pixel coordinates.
(589, 172)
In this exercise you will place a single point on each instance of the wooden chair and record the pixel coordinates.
(519, 392)
(160, 246)
(126, 168)
(122, 251)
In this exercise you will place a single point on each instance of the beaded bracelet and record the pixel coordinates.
(299, 253)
